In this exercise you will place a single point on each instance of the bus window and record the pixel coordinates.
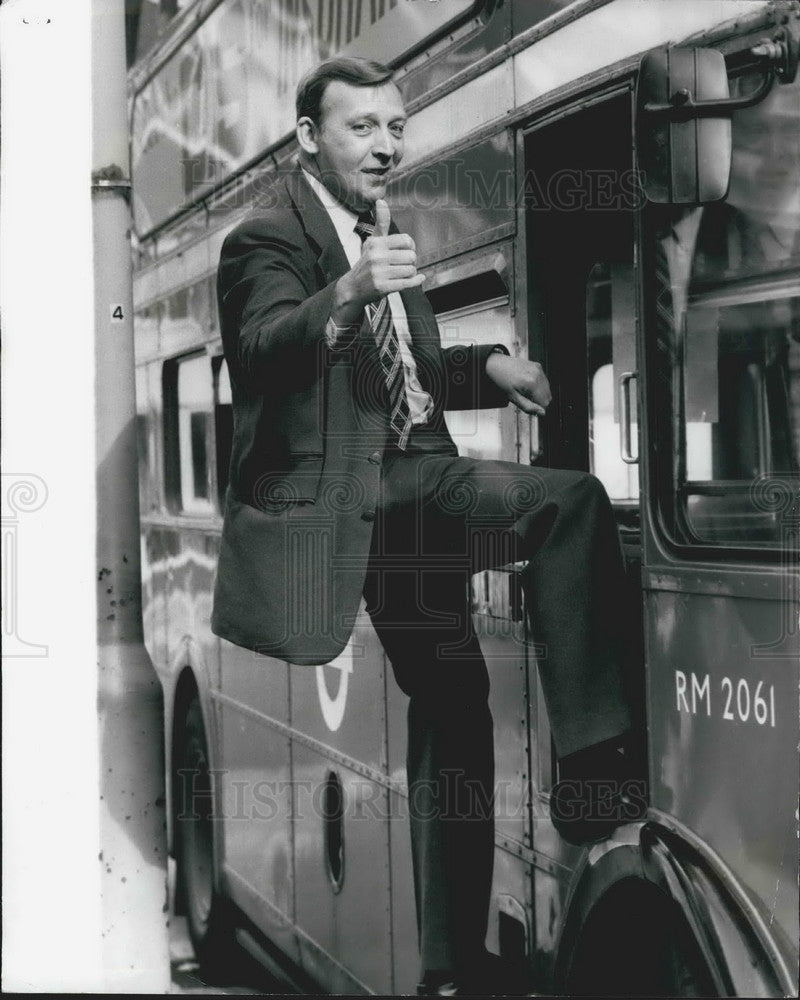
(223, 426)
(481, 433)
(727, 316)
(610, 324)
(188, 401)
(738, 424)
(199, 117)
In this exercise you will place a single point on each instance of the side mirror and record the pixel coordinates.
(684, 157)
(683, 109)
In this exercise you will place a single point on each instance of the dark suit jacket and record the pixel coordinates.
(310, 429)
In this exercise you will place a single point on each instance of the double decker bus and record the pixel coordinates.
(669, 326)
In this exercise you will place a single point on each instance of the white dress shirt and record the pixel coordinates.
(420, 403)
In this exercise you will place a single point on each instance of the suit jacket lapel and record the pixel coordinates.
(324, 242)
(318, 227)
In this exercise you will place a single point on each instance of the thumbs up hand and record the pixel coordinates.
(388, 263)
(382, 218)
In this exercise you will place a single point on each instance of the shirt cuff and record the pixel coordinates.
(338, 337)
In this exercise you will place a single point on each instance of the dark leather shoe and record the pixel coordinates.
(599, 789)
(584, 812)
(488, 977)
(448, 989)
(467, 989)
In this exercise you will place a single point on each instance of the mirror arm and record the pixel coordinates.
(683, 106)
(780, 54)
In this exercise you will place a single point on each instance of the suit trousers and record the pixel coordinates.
(440, 519)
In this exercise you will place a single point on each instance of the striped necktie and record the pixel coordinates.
(382, 326)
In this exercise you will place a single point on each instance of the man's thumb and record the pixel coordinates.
(382, 218)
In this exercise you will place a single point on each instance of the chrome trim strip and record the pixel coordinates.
(371, 773)
(505, 843)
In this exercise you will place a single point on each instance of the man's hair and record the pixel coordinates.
(348, 69)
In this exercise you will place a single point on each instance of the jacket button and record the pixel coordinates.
(368, 515)
(375, 458)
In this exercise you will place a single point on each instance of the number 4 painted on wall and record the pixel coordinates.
(116, 314)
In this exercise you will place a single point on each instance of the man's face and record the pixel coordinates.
(359, 141)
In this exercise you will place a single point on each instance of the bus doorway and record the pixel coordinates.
(580, 204)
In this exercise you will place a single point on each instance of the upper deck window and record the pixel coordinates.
(228, 93)
(147, 22)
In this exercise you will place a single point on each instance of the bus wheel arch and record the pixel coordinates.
(634, 942)
(741, 951)
(650, 916)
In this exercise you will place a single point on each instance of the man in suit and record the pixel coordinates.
(345, 482)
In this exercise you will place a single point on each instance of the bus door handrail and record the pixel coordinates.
(625, 435)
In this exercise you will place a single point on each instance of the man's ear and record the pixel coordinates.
(306, 131)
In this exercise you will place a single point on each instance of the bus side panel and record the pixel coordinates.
(352, 925)
(256, 785)
(405, 950)
(503, 645)
(338, 716)
(723, 737)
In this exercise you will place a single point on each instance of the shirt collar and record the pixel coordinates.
(342, 218)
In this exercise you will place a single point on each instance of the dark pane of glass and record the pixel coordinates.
(757, 228)
(199, 455)
(195, 406)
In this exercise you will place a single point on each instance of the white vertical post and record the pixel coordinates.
(51, 877)
(84, 887)
(132, 811)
